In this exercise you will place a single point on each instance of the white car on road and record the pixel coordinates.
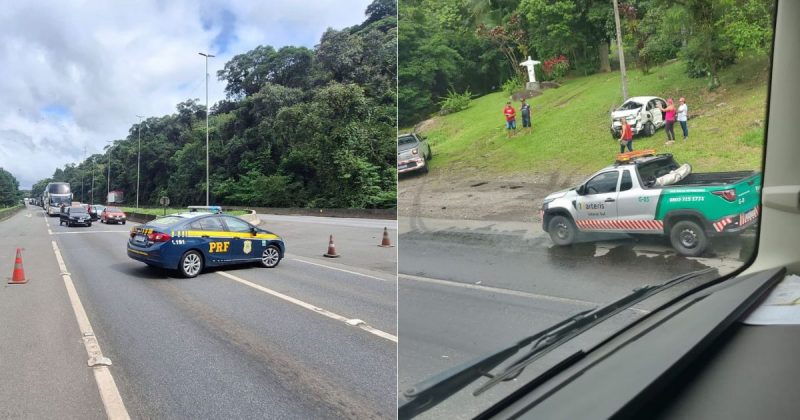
(642, 114)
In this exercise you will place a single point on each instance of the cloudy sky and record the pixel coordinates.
(74, 74)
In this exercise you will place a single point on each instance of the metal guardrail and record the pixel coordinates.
(140, 217)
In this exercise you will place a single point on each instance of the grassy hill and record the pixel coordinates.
(571, 124)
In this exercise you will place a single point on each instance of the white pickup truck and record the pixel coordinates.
(645, 193)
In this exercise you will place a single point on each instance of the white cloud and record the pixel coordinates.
(106, 62)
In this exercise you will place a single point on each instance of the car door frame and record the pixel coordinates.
(594, 211)
(238, 241)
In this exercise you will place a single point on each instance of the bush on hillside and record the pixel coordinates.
(512, 85)
(455, 102)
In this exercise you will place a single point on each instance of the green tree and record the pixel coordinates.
(9, 189)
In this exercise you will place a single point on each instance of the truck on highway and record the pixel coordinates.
(648, 193)
(114, 197)
(56, 195)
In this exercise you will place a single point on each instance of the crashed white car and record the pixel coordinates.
(642, 114)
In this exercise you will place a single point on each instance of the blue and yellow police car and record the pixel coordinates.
(190, 241)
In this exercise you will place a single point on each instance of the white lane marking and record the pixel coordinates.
(354, 322)
(109, 393)
(91, 231)
(509, 292)
(49, 232)
(338, 269)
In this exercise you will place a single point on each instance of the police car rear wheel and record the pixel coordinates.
(688, 238)
(562, 230)
(191, 263)
(270, 257)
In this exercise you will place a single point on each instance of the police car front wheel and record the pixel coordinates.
(270, 257)
(191, 264)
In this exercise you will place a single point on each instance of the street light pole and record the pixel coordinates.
(207, 57)
(93, 168)
(138, 159)
(621, 54)
(108, 180)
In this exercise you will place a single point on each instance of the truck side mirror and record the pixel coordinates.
(581, 190)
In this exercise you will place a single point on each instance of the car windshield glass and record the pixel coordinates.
(515, 224)
(113, 210)
(207, 223)
(77, 210)
(629, 105)
(58, 189)
(406, 142)
(165, 221)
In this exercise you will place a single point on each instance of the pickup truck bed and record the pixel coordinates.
(714, 178)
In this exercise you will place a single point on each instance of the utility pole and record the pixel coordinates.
(207, 112)
(93, 168)
(138, 159)
(83, 175)
(108, 180)
(621, 54)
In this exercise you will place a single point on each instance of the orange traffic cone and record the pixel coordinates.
(386, 243)
(331, 250)
(18, 277)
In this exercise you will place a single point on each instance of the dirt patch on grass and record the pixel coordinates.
(471, 196)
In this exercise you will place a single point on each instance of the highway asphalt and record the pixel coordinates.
(240, 342)
(468, 288)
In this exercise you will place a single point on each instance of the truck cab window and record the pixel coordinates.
(603, 183)
(627, 182)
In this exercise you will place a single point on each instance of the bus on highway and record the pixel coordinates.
(55, 195)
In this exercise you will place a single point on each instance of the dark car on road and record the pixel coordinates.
(75, 215)
(189, 242)
(91, 210)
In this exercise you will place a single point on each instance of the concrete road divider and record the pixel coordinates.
(251, 218)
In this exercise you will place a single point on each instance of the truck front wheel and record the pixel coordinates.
(562, 230)
(688, 238)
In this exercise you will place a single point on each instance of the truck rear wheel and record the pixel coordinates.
(688, 238)
(562, 230)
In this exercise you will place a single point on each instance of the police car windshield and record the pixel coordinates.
(165, 221)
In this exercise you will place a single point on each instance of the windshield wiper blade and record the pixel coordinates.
(580, 323)
(429, 393)
(436, 389)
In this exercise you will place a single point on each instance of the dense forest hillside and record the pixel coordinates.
(298, 127)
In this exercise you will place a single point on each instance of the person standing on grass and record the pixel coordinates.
(511, 118)
(626, 136)
(683, 112)
(525, 111)
(669, 121)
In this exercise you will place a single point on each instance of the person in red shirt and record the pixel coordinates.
(511, 115)
(626, 136)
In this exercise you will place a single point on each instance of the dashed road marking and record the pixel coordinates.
(353, 322)
(509, 292)
(109, 393)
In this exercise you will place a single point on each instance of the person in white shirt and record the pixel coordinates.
(683, 111)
